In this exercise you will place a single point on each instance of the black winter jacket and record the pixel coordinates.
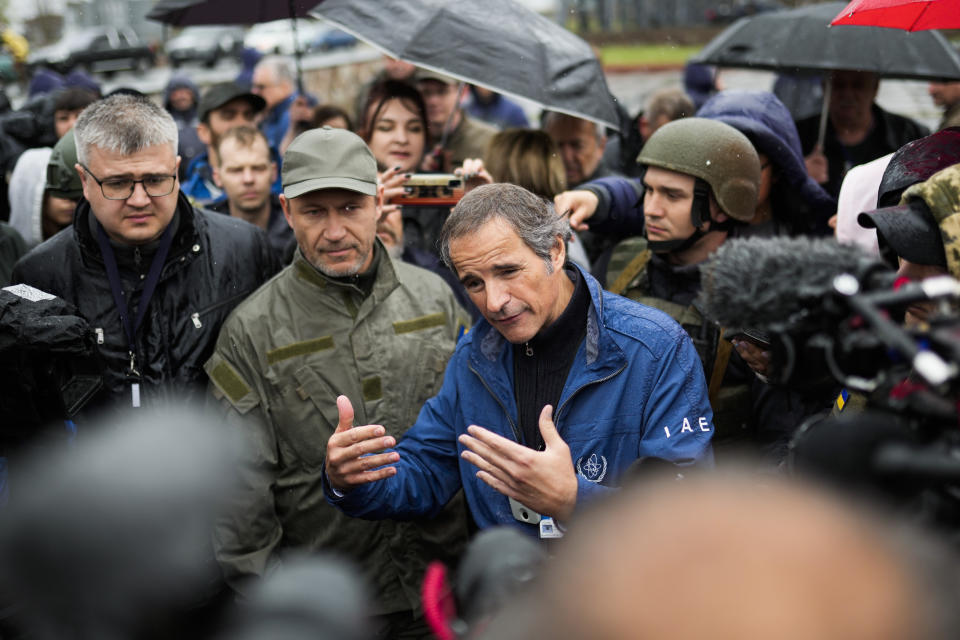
(215, 261)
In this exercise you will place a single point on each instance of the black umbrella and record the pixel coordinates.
(801, 40)
(182, 13)
(497, 44)
(192, 12)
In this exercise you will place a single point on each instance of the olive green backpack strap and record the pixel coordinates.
(724, 349)
(629, 259)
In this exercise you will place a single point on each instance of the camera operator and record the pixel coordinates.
(914, 234)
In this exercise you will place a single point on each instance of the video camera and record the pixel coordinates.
(832, 317)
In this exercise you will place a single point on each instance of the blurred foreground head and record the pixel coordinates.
(723, 558)
(113, 534)
(308, 597)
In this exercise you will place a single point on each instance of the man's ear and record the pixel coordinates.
(203, 132)
(84, 183)
(716, 214)
(643, 127)
(558, 254)
(285, 205)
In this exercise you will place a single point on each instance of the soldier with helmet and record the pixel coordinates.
(700, 182)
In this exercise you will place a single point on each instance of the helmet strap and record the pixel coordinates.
(679, 244)
(700, 208)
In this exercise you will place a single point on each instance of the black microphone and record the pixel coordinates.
(767, 282)
(792, 285)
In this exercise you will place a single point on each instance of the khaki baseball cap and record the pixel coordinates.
(328, 158)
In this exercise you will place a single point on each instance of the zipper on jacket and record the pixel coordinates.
(556, 414)
(220, 303)
(99, 332)
(196, 320)
(513, 427)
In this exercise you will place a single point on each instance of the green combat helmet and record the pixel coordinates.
(719, 157)
(63, 181)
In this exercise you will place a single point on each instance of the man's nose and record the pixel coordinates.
(498, 295)
(652, 205)
(139, 197)
(334, 230)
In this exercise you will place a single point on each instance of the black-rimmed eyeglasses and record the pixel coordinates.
(122, 188)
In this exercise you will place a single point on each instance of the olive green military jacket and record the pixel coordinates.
(282, 358)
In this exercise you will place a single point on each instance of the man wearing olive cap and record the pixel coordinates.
(342, 319)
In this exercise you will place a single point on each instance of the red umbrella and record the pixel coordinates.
(909, 15)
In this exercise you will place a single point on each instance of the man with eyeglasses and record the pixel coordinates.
(153, 276)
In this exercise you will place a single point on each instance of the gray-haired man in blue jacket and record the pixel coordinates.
(625, 380)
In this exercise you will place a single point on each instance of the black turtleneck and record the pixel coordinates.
(540, 367)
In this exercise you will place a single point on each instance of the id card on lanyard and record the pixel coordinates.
(130, 326)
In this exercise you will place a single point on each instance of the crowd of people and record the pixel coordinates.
(513, 347)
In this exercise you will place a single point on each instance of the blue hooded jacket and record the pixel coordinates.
(635, 390)
(764, 119)
(761, 117)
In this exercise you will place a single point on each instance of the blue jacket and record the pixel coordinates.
(198, 184)
(636, 390)
(277, 121)
(499, 111)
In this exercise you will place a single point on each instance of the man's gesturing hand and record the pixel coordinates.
(542, 480)
(349, 462)
(581, 205)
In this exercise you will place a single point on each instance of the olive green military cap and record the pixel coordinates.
(328, 158)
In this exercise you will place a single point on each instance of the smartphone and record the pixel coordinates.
(752, 336)
(428, 189)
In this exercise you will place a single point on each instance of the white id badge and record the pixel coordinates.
(549, 529)
(135, 394)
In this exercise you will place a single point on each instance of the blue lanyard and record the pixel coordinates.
(153, 277)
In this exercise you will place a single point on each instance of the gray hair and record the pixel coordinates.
(281, 67)
(552, 117)
(671, 102)
(531, 217)
(124, 124)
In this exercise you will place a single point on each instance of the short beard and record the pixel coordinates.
(342, 270)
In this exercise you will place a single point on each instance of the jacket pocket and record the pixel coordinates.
(309, 417)
(426, 381)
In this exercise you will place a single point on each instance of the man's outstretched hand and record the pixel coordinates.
(541, 480)
(353, 453)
